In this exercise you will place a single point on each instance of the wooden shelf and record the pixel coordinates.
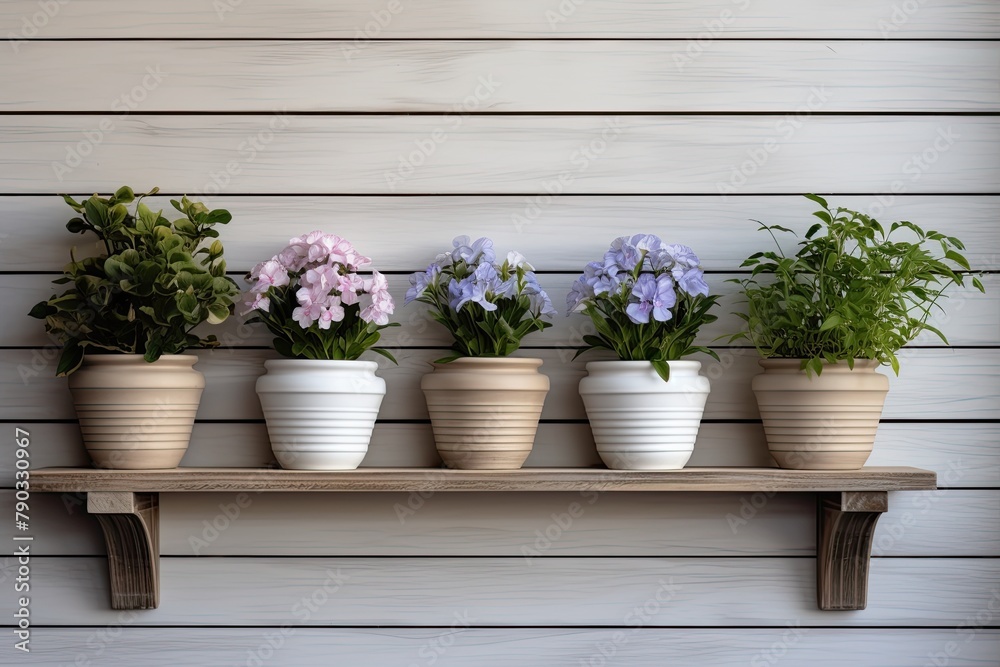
(443, 479)
(126, 504)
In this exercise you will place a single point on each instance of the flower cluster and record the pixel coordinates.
(647, 300)
(649, 271)
(312, 298)
(487, 306)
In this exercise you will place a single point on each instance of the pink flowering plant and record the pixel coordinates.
(488, 306)
(647, 300)
(312, 298)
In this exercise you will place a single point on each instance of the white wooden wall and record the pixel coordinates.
(553, 126)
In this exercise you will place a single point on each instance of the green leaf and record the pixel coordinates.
(662, 369)
(217, 313)
(958, 259)
(819, 200)
(70, 359)
(831, 321)
(385, 353)
(448, 359)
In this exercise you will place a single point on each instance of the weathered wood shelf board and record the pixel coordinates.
(126, 503)
(443, 479)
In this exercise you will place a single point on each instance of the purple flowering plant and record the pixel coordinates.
(647, 300)
(488, 306)
(312, 298)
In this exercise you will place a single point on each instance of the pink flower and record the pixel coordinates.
(322, 279)
(260, 302)
(334, 312)
(374, 314)
(377, 283)
(351, 285)
(270, 274)
(306, 315)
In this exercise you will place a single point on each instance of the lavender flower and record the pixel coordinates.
(655, 295)
(692, 282)
(421, 281)
(480, 250)
(601, 277)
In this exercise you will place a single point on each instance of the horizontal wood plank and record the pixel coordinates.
(944, 523)
(410, 480)
(384, 592)
(558, 235)
(969, 318)
(458, 646)
(942, 384)
(694, 154)
(650, 76)
(363, 20)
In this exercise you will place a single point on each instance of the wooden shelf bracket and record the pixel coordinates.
(845, 525)
(131, 526)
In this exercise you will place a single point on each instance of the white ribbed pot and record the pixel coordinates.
(822, 422)
(320, 413)
(639, 421)
(136, 415)
(484, 410)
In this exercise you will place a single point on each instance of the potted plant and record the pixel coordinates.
(824, 318)
(320, 402)
(128, 316)
(647, 301)
(484, 404)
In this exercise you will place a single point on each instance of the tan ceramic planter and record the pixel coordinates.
(824, 422)
(484, 411)
(135, 415)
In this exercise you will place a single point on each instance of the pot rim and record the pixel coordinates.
(123, 359)
(679, 364)
(330, 363)
(486, 361)
(788, 362)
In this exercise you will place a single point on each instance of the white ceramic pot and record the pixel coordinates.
(485, 410)
(136, 415)
(639, 421)
(320, 414)
(822, 422)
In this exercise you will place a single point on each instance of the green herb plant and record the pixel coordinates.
(851, 291)
(154, 283)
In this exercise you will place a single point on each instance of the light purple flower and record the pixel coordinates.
(579, 292)
(693, 282)
(333, 312)
(306, 315)
(623, 254)
(259, 302)
(646, 242)
(469, 290)
(420, 281)
(655, 296)
(480, 250)
(537, 298)
(516, 260)
(601, 277)
(683, 258)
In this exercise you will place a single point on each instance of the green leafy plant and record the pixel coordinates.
(155, 281)
(851, 291)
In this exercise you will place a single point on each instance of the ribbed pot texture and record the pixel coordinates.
(320, 414)
(639, 421)
(136, 415)
(823, 422)
(485, 410)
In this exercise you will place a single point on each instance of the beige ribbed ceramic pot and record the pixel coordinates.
(485, 410)
(136, 415)
(822, 422)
